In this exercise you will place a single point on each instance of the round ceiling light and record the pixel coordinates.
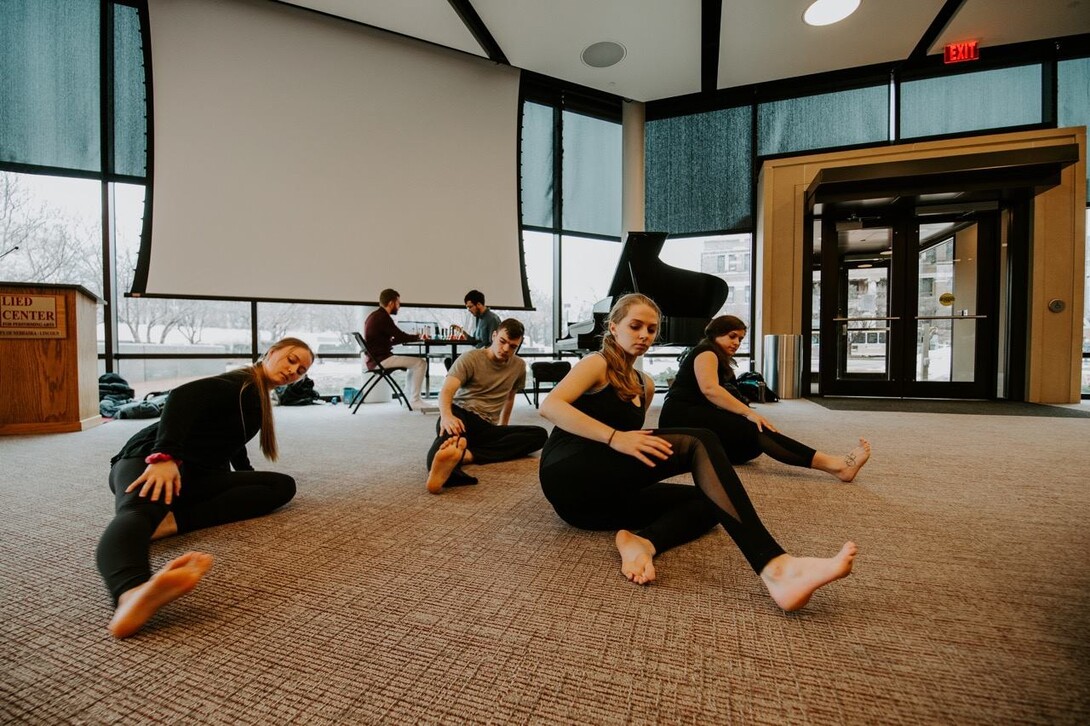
(604, 54)
(827, 12)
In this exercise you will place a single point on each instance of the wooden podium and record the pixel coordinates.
(48, 358)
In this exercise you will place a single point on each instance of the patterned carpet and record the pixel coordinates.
(367, 600)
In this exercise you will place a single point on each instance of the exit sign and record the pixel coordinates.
(958, 52)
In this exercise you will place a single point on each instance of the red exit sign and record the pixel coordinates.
(958, 52)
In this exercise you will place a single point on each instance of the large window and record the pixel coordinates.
(1073, 95)
(536, 164)
(971, 101)
(1086, 315)
(587, 267)
(699, 171)
(844, 118)
(50, 230)
(728, 257)
(49, 98)
(592, 175)
(540, 326)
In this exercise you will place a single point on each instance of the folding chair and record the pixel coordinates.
(374, 375)
(548, 371)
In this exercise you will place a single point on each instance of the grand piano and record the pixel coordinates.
(688, 299)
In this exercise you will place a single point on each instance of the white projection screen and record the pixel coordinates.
(299, 157)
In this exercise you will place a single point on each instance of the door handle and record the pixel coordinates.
(857, 320)
(952, 317)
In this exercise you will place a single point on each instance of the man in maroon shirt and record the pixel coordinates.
(382, 334)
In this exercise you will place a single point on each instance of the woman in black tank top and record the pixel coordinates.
(601, 470)
(700, 397)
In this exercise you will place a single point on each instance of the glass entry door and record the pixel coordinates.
(907, 301)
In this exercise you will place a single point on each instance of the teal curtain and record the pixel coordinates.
(971, 101)
(49, 83)
(844, 118)
(130, 99)
(536, 173)
(591, 175)
(699, 172)
(1073, 78)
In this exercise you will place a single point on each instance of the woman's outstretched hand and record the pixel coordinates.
(159, 478)
(641, 444)
(761, 422)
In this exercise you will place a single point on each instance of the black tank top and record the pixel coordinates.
(686, 389)
(605, 406)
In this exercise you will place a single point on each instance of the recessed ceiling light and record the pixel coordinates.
(604, 54)
(827, 12)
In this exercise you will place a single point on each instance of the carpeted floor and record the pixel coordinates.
(926, 405)
(367, 600)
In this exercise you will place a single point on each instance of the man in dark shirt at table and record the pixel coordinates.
(382, 334)
(474, 410)
(487, 321)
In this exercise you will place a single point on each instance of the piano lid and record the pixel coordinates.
(677, 292)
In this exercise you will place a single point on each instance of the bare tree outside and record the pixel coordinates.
(43, 243)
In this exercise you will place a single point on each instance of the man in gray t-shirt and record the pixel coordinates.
(474, 407)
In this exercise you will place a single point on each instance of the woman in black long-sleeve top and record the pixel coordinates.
(699, 397)
(601, 470)
(176, 476)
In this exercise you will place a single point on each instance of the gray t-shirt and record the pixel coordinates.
(486, 383)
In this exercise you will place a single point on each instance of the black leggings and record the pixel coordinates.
(489, 442)
(208, 498)
(740, 438)
(599, 488)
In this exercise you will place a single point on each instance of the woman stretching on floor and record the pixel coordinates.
(699, 398)
(175, 476)
(599, 470)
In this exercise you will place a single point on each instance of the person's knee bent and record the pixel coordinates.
(538, 437)
(282, 488)
(687, 440)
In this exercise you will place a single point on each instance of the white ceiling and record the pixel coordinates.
(759, 40)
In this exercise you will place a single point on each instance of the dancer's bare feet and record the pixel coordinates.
(854, 461)
(792, 580)
(844, 467)
(136, 606)
(167, 528)
(636, 557)
(446, 460)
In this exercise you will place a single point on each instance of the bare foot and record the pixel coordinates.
(844, 467)
(446, 460)
(854, 461)
(792, 580)
(167, 528)
(136, 606)
(636, 557)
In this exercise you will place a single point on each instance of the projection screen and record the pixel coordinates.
(299, 157)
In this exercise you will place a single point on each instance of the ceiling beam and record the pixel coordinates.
(479, 30)
(711, 16)
(942, 19)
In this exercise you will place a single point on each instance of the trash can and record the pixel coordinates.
(782, 365)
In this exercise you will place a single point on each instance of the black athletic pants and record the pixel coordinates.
(208, 498)
(738, 435)
(602, 489)
(489, 442)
